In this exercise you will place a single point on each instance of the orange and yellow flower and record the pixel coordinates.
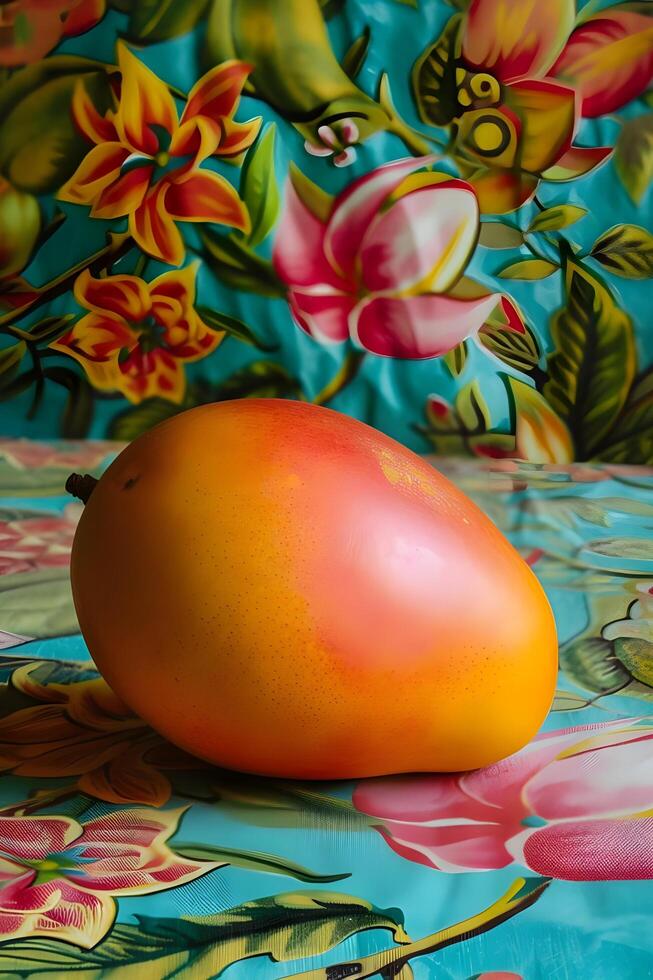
(146, 160)
(137, 335)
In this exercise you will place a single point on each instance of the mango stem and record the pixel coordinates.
(81, 486)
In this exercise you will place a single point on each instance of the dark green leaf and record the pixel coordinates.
(78, 410)
(19, 385)
(593, 363)
(434, 76)
(626, 250)
(151, 21)
(472, 409)
(40, 146)
(331, 8)
(285, 927)
(631, 439)
(51, 327)
(633, 155)
(261, 379)
(38, 603)
(356, 54)
(253, 861)
(497, 234)
(456, 359)
(139, 418)
(258, 187)
(528, 269)
(232, 326)
(636, 655)
(10, 358)
(590, 662)
(518, 350)
(557, 217)
(237, 266)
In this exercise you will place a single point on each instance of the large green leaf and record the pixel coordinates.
(40, 146)
(456, 359)
(590, 662)
(498, 234)
(636, 655)
(139, 418)
(472, 409)
(258, 187)
(285, 927)
(38, 603)
(518, 350)
(254, 861)
(261, 379)
(626, 250)
(10, 358)
(434, 76)
(232, 326)
(593, 363)
(633, 155)
(151, 21)
(529, 269)
(559, 216)
(235, 264)
(631, 439)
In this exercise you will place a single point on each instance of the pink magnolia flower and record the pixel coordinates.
(29, 454)
(574, 804)
(37, 542)
(383, 263)
(57, 876)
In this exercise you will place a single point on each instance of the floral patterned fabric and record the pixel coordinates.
(434, 215)
(119, 851)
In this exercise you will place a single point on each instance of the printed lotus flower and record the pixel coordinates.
(37, 542)
(146, 161)
(516, 124)
(382, 264)
(138, 335)
(574, 804)
(31, 28)
(82, 732)
(58, 876)
(28, 454)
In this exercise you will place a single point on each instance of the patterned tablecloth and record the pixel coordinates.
(119, 852)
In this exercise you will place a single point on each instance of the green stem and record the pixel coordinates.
(141, 264)
(345, 374)
(419, 144)
(119, 245)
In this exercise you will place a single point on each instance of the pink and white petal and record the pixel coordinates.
(608, 59)
(356, 206)
(464, 847)
(140, 827)
(323, 315)
(419, 799)
(608, 780)
(35, 838)
(71, 914)
(298, 254)
(577, 162)
(317, 151)
(516, 40)
(592, 850)
(417, 327)
(426, 237)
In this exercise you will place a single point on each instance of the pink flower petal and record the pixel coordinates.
(417, 326)
(593, 850)
(323, 316)
(317, 151)
(35, 838)
(418, 799)
(606, 780)
(298, 256)
(327, 136)
(357, 205)
(349, 130)
(478, 847)
(132, 828)
(346, 158)
(425, 237)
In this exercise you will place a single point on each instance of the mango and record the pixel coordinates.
(281, 589)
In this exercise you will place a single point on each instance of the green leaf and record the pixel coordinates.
(567, 701)
(626, 250)
(253, 861)
(258, 187)
(237, 266)
(456, 359)
(318, 202)
(78, 410)
(232, 326)
(631, 439)
(10, 358)
(518, 350)
(433, 77)
(40, 146)
(343, 376)
(291, 926)
(636, 655)
(51, 327)
(38, 604)
(636, 548)
(472, 409)
(134, 421)
(590, 663)
(528, 269)
(151, 21)
(593, 362)
(555, 218)
(497, 234)
(633, 156)
(261, 379)
(356, 54)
